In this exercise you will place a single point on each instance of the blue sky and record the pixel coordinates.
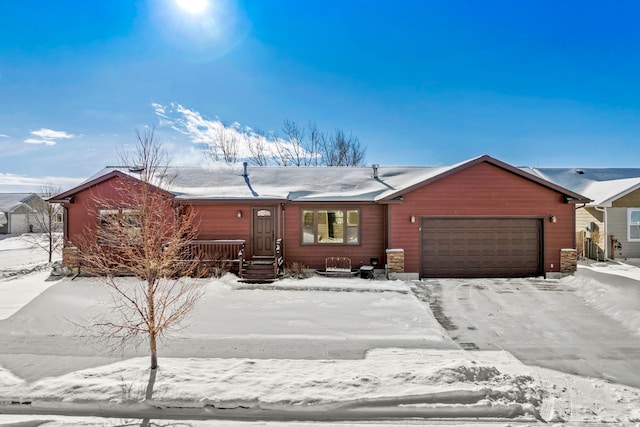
(537, 83)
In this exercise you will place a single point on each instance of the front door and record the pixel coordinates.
(263, 231)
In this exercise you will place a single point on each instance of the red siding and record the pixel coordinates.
(483, 190)
(83, 212)
(372, 237)
(479, 190)
(220, 221)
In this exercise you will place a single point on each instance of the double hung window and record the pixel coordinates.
(633, 224)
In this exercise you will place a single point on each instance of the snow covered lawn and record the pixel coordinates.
(308, 347)
(16, 292)
(22, 253)
(230, 311)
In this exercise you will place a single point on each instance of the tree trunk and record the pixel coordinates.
(154, 350)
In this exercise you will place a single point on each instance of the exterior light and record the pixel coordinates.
(412, 219)
(239, 213)
(553, 219)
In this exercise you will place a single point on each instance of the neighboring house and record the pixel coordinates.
(479, 218)
(16, 212)
(609, 225)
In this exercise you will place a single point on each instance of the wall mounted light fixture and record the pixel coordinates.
(553, 219)
(412, 219)
(239, 213)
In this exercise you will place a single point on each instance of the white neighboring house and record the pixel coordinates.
(608, 226)
(17, 212)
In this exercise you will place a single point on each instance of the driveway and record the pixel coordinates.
(541, 322)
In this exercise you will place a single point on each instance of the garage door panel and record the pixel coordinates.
(481, 247)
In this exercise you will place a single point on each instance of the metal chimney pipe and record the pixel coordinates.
(244, 171)
(375, 170)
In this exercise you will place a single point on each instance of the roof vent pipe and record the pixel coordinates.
(375, 170)
(244, 169)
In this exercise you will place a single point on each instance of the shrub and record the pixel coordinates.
(297, 270)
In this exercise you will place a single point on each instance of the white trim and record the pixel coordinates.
(609, 201)
(629, 224)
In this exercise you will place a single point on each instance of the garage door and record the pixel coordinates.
(481, 247)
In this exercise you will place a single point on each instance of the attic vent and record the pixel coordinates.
(375, 170)
(136, 168)
(579, 171)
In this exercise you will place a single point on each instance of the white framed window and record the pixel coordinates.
(331, 226)
(633, 224)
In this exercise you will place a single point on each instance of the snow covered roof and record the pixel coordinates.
(11, 201)
(306, 184)
(289, 183)
(602, 185)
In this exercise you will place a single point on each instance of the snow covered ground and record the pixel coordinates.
(21, 253)
(304, 349)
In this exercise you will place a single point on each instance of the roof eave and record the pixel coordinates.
(68, 195)
(569, 196)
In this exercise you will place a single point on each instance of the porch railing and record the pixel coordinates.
(279, 259)
(219, 253)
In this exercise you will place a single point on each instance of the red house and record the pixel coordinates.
(479, 218)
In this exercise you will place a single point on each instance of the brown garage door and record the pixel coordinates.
(481, 247)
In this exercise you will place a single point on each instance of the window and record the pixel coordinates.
(633, 223)
(331, 226)
(118, 226)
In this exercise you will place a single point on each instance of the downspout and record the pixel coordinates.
(65, 225)
(606, 235)
(283, 231)
(388, 239)
(575, 210)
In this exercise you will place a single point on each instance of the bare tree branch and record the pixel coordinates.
(48, 220)
(256, 145)
(298, 146)
(142, 232)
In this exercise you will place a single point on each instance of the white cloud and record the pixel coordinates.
(207, 133)
(12, 183)
(39, 141)
(48, 136)
(3, 135)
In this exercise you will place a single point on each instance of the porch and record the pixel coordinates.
(230, 255)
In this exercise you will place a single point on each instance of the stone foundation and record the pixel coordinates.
(568, 261)
(395, 260)
(70, 259)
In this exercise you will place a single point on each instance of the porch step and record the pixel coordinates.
(262, 270)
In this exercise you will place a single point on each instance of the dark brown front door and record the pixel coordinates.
(263, 231)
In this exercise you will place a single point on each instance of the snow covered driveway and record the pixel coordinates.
(546, 323)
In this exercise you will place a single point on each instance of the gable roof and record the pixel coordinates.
(306, 184)
(11, 201)
(570, 196)
(104, 175)
(602, 185)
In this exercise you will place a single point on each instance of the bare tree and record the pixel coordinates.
(48, 220)
(229, 143)
(225, 143)
(340, 149)
(315, 141)
(143, 233)
(298, 146)
(256, 144)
